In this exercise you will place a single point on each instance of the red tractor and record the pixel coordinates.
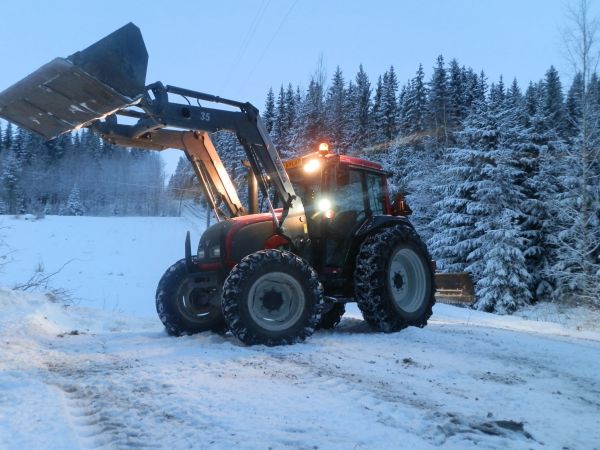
(251, 277)
(331, 234)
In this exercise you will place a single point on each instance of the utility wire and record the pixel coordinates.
(245, 42)
(277, 30)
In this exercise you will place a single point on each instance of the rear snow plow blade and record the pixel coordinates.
(454, 288)
(68, 93)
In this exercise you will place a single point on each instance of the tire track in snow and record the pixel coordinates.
(82, 418)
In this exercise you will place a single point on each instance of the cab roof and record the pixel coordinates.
(343, 159)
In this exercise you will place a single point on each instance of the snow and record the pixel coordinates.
(106, 262)
(103, 373)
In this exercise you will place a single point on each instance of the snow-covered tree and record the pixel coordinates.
(438, 102)
(414, 106)
(335, 111)
(268, 114)
(312, 118)
(361, 107)
(389, 104)
(377, 133)
(74, 206)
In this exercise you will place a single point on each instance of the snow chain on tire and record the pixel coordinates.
(171, 304)
(244, 303)
(374, 293)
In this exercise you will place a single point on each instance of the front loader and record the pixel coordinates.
(330, 233)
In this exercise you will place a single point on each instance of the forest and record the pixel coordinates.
(77, 174)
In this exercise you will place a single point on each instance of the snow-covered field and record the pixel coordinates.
(102, 372)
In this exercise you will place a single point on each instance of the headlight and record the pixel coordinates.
(324, 205)
(201, 253)
(312, 166)
(215, 251)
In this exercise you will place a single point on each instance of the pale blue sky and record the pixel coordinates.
(238, 49)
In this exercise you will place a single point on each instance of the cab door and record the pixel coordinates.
(350, 206)
(357, 195)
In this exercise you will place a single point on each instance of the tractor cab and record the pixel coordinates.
(340, 194)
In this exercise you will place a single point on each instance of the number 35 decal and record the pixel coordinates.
(205, 117)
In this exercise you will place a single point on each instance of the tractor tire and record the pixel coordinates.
(184, 309)
(272, 297)
(330, 318)
(394, 280)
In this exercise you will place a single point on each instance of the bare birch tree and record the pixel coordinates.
(578, 260)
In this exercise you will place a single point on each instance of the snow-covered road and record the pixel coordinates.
(84, 378)
(93, 376)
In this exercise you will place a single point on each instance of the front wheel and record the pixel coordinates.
(272, 297)
(185, 304)
(394, 281)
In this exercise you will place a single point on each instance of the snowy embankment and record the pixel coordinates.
(90, 376)
(105, 262)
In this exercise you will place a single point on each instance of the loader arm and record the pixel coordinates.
(93, 87)
(199, 150)
(156, 127)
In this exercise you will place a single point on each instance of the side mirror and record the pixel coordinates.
(400, 206)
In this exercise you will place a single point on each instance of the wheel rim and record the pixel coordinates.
(194, 303)
(276, 301)
(407, 280)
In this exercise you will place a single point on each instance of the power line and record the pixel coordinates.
(277, 30)
(245, 42)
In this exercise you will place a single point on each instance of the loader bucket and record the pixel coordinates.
(68, 93)
(454, 288)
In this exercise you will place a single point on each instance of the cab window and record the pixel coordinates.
(349, 192)
(375, 193)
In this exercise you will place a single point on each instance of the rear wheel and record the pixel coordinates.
(272, 297)
(184, 305)
(394, 281)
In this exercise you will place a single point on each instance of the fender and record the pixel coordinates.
(374, 223)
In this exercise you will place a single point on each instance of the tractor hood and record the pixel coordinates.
(236, 237)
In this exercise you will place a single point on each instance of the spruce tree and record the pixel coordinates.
(415, 114)
(574, 105)
(362, 107)
(471, 92)
(269, 111)
(504, 282)
(312, 117)
(389, 104)
(8, 136)
(539, 148)
(456, 222)
(335, 105)
(280, 129)
(377, 134)
(438, 102)
(456, 95)
(11, 175)
(289, 117)
(351, 120)
(554, 102)
(74, 206)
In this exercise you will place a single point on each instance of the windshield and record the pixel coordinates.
(307, 187)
